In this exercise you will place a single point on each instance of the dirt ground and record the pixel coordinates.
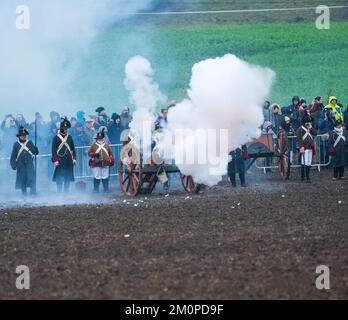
(260, 242)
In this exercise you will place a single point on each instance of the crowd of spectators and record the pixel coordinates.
(323, 115)
(83, 128)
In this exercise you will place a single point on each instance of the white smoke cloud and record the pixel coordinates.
(222, 112)
(225, 93)
(38, 65)
(144, 95)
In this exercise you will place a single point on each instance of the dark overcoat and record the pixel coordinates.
(64, 172)
(24, 165)
(339, 158)
(236, 165)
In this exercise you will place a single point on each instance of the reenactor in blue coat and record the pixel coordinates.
(63, 157)
(22, 157)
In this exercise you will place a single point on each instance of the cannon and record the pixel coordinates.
(137, 177)
(262, 147)
(140, 178)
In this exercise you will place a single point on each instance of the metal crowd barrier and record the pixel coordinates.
(320, 159)
(83, 170)
(45, 167)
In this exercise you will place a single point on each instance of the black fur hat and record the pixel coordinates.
(100, 135)
(306, 119)
(22, 132)
(65, 124)
(99, 110)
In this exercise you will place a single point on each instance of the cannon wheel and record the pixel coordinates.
(130, 179)
(188, 184)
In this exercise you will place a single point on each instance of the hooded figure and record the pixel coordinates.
(22, 157)
(336, 109)
(267, 128)
(305, 140)
(80, 116)
(102, 158)
(20, 121)
(63, 157)
(315, 110)
(337, 147)
(292, 111)
(277, 116)
(126, 118)
(103, 119)
(115, 129)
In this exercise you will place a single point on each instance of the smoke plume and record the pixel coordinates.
(144, 95)
(38, 64)
(224, 102)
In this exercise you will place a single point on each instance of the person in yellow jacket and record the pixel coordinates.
(335, 108)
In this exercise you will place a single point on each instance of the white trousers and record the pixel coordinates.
(306, 157)
(101, 173)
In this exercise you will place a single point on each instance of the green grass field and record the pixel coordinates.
(308, 62)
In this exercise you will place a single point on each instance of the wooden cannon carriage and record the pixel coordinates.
(140, 178)
(263, 147)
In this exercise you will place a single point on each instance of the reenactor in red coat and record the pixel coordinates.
(102, 158)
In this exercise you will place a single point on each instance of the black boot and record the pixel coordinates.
(233, 180)
(308, 168)
(59, 187)
(33, 192)
(289, 170)
(66, 187)
(106, 185)
(303, 173)
(96, 184)
(341, 174)
(242, 179)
